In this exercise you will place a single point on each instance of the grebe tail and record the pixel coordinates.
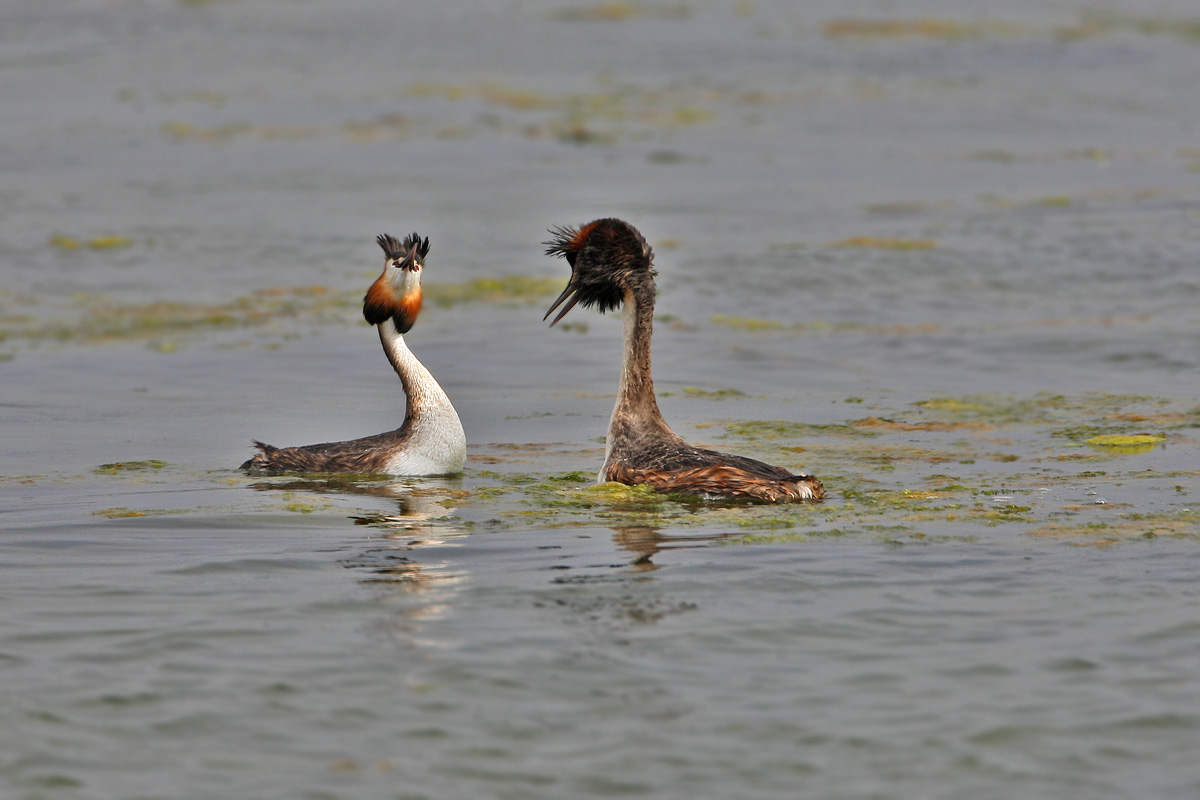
(612, 266)
(431, 440)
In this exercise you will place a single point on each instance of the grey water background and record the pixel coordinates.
(236, 647)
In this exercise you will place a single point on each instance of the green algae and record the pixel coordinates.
(185, 131)
(768, 326)
(602, 117)
(767, 538)
(755, 430)
(572, 477)
(876, 471)
(890, 424)
(1182, 524)
(619, 12)
(129, 466)
(898, 499)
(748, 323)
(954, 405)
(1072, 414)
(885, 243)
(1009, 512)
(612, 493)
(1097, 23)
(891, 505)
(504, 289)
(122, 512)
(706, 394)
(118, 513)
(107, 242)
(98, 320)
(301, 504)
(917, 474)
(1090, 24)
(918, 28)
(767, 523)
(1126, 444)
(165, 325)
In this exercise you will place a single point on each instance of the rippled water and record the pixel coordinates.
(931, 254)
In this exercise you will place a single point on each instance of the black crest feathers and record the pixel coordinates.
(395, 249)
(608, 257)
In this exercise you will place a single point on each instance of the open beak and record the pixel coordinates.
(410, 260)
(570, 293)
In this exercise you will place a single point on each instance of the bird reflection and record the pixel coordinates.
(359, 484)
(646, 542)
(422, 519)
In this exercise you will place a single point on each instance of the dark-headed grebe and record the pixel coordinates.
(612, 265)
(431, 440)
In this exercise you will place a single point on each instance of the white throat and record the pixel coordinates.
(436, 444)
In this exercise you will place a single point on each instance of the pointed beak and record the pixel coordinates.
(410, 260)
(571, 293)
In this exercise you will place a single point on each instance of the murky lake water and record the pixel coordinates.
(933, 255)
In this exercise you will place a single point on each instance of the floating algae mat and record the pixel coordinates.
(949, 469)
(92, 319)
(129, 466)
(1126, 443)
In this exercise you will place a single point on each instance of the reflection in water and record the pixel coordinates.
(645, 542)
(422, 521)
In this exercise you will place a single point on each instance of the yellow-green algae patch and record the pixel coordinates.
(753, 430)
(304, 504)
(612, 493)
(707, 394)
(1095, 23)
(85, 318)
(748, 323)
(97, 319)
(764, 325)
(1111, 409)
(918, 28)
(553, 502)
(1126, 443)
(119, 467)
(221, 133)
(118, 513)
(916, 474)
(878, 423)
(1179, 524)
(109, 242)
(886, 243)
(953, 404)
(949, 504)
(504, 289)
(122, 512)
(1090, 24)
(620, 12)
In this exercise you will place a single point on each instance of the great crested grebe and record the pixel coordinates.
(611, 265)
(431, 440)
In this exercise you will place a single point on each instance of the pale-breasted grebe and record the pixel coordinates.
(611, 265)
(431, 440)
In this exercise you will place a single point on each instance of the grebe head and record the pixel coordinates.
(608, 258)
(397, 292)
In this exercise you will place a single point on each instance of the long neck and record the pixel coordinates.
(636, 411)
(422, 393)
(636, 392)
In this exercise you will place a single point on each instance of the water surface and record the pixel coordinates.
(933, 255)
